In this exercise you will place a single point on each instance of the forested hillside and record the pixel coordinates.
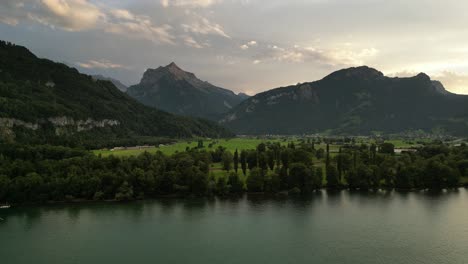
(44, 101)
(354, 101)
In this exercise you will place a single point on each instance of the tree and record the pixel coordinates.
(4, 187)
(243, 160)
(252, 159)
(271, 159)
(373, 152)
(405, 177)
(166, 182)
(319, 154)
(332, 177)
(327, 160)
(124, 192)
(261, 147)
(255, 180)
(387, 148)
(236, 160)
(200, 144)
(275, 181)
(199, 183)
(439, 175)
(263, 161)
(301, 156)
(312, 180)
(227, 160)
(364, 175)
(339, 164)
(319, 174)
(222, 186)
(297, 173)
(285, 157)
(234, 183)
(283, 177)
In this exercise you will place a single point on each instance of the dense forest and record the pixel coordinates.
(44, 173)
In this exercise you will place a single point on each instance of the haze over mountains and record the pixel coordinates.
(44, 101)
(174, 90)
(353, 101)
(122, 87)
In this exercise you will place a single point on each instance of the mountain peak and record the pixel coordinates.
(361, 72)
(423, 76)
(172, 70)
(172, 65)
(178, 72)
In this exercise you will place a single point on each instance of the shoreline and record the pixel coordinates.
(266, 195)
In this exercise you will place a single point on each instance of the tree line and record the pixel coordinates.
(43, 173)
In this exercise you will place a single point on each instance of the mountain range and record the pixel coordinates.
(356, 101)
(122, 87)
(174, 90)
(44, 101)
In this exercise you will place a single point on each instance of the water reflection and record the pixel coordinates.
(431, 201)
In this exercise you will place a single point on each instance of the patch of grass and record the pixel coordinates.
(230, 144)
(233, 144)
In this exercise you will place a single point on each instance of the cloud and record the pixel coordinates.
(125, 23)
(252, 43)
(122, 14)
(351, 57)
(71, 15)
(248, 45)
(9, 20)
(201, 25)
(11, 12)
(83, 15)
(189, 41)
(332, 57)
(189, 3)
(100, 64)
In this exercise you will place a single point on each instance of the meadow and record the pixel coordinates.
(239, 143)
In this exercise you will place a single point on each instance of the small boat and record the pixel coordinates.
(6, 206)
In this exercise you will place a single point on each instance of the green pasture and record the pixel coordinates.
(233, 144)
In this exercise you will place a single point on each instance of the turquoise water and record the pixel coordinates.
(340, 227)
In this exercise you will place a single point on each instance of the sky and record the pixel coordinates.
(246, 45)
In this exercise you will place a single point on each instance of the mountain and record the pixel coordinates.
(44, 101)
(174, 90)
(353, 101)
(122, 87)
(243, 96)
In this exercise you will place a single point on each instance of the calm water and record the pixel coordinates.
(343, 227)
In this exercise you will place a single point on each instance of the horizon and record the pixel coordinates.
(275, 44)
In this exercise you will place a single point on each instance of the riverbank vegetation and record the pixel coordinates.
(50, 173)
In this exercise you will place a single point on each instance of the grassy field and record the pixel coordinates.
(230, 144)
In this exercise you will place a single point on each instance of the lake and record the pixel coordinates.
(328, 227)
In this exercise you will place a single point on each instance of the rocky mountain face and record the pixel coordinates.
(45, 102)
(176, 91)
(122, 87)
(353, 101)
